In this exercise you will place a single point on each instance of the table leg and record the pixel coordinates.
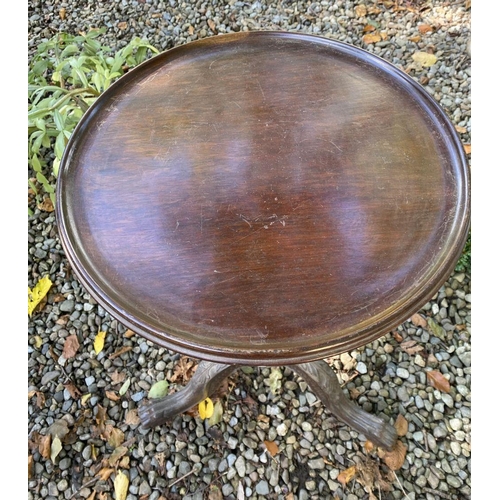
(324, 383)
(318, 374)
(206, 380)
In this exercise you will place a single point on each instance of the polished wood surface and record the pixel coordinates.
(263, 198)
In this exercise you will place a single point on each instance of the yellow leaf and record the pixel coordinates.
(424, 59)
(38, 293)
(99, 342)
(372, 38)
(85, 398)
(206, 408)
(121, 486)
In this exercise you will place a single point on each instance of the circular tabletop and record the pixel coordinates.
(263, 198)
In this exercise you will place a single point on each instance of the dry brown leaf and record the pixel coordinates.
(373, 10)
(191, 30)
(105, 472)
(211, 25)
(360, 10)
(424, 28)
(112, 396)
(71, 346)
(117, 378)
(214, 493)
(125, 462)
(460, 129)
(368, 28)
(419, 320)
(346, 475)
(116, 437)
(401, 425)
(272, 447)
(117, 454)
(74, 392)
(123, 25)
(438, 381)
(46, 205)
(467, 149)
(397, 336)
(44, 444)
(30, 466)
(395, 458)
(411, 347)
(368, 446)
(371, 38)
(415, 39)
(132, 417)
(62, 13)
(183, 370)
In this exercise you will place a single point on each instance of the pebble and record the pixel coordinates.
(383, 377)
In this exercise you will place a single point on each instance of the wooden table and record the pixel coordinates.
(264, 198)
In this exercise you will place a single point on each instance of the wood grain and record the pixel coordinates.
(263, 198)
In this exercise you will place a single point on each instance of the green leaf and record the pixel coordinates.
(60, 145)
(59, 120)
(124, 387)
(158, 390)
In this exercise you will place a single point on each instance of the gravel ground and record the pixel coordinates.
(76, 403)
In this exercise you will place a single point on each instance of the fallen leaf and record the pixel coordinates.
(125, 463)
(105, 473)
(117, 377)
(116, 437)
(117, 454)
(397, 336)
(59, 428)
(272, 447)
(415, 39)
(30, 466)
(346, 475)
(85, 398)
(122, 25)
(274, 380)
(206, 408)
(436, 330)
(191, 29)
(71, 346)
(216, 416)
(368, 27)
(39, 291)
(44, 444)
(46, 205)
(411, 347)
(460, 129)
(55, 449)
(99, 342)
(360, 10)
(424, 59)
(158, 390)
(214, 493)
(112, 396)
(424, 28)
(183, 370)
(372, 38)
(438, 381)
(132, 417)
(38, 341)
(467, 149)
(401, 425)
(124, 387)
(128, 334)
(395, 458)
(419, 320)
(211, 25)
(369, 446)
(121, 486)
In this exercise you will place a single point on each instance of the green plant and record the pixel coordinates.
(464, 263)
(65, 76)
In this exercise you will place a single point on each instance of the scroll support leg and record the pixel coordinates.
(324, 383)
(206, 380)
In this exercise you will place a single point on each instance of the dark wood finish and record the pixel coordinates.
(263, 198)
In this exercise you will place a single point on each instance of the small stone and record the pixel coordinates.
(67, 306)
(453, 481)
(281, 429)
(144, 489)
(403, 394)
(402, 373)
(50, 376)
(317, 463)
(262, 488)
(456, 448)
(456, 424)
(344, 435)
(240, 466)
(361, 368)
